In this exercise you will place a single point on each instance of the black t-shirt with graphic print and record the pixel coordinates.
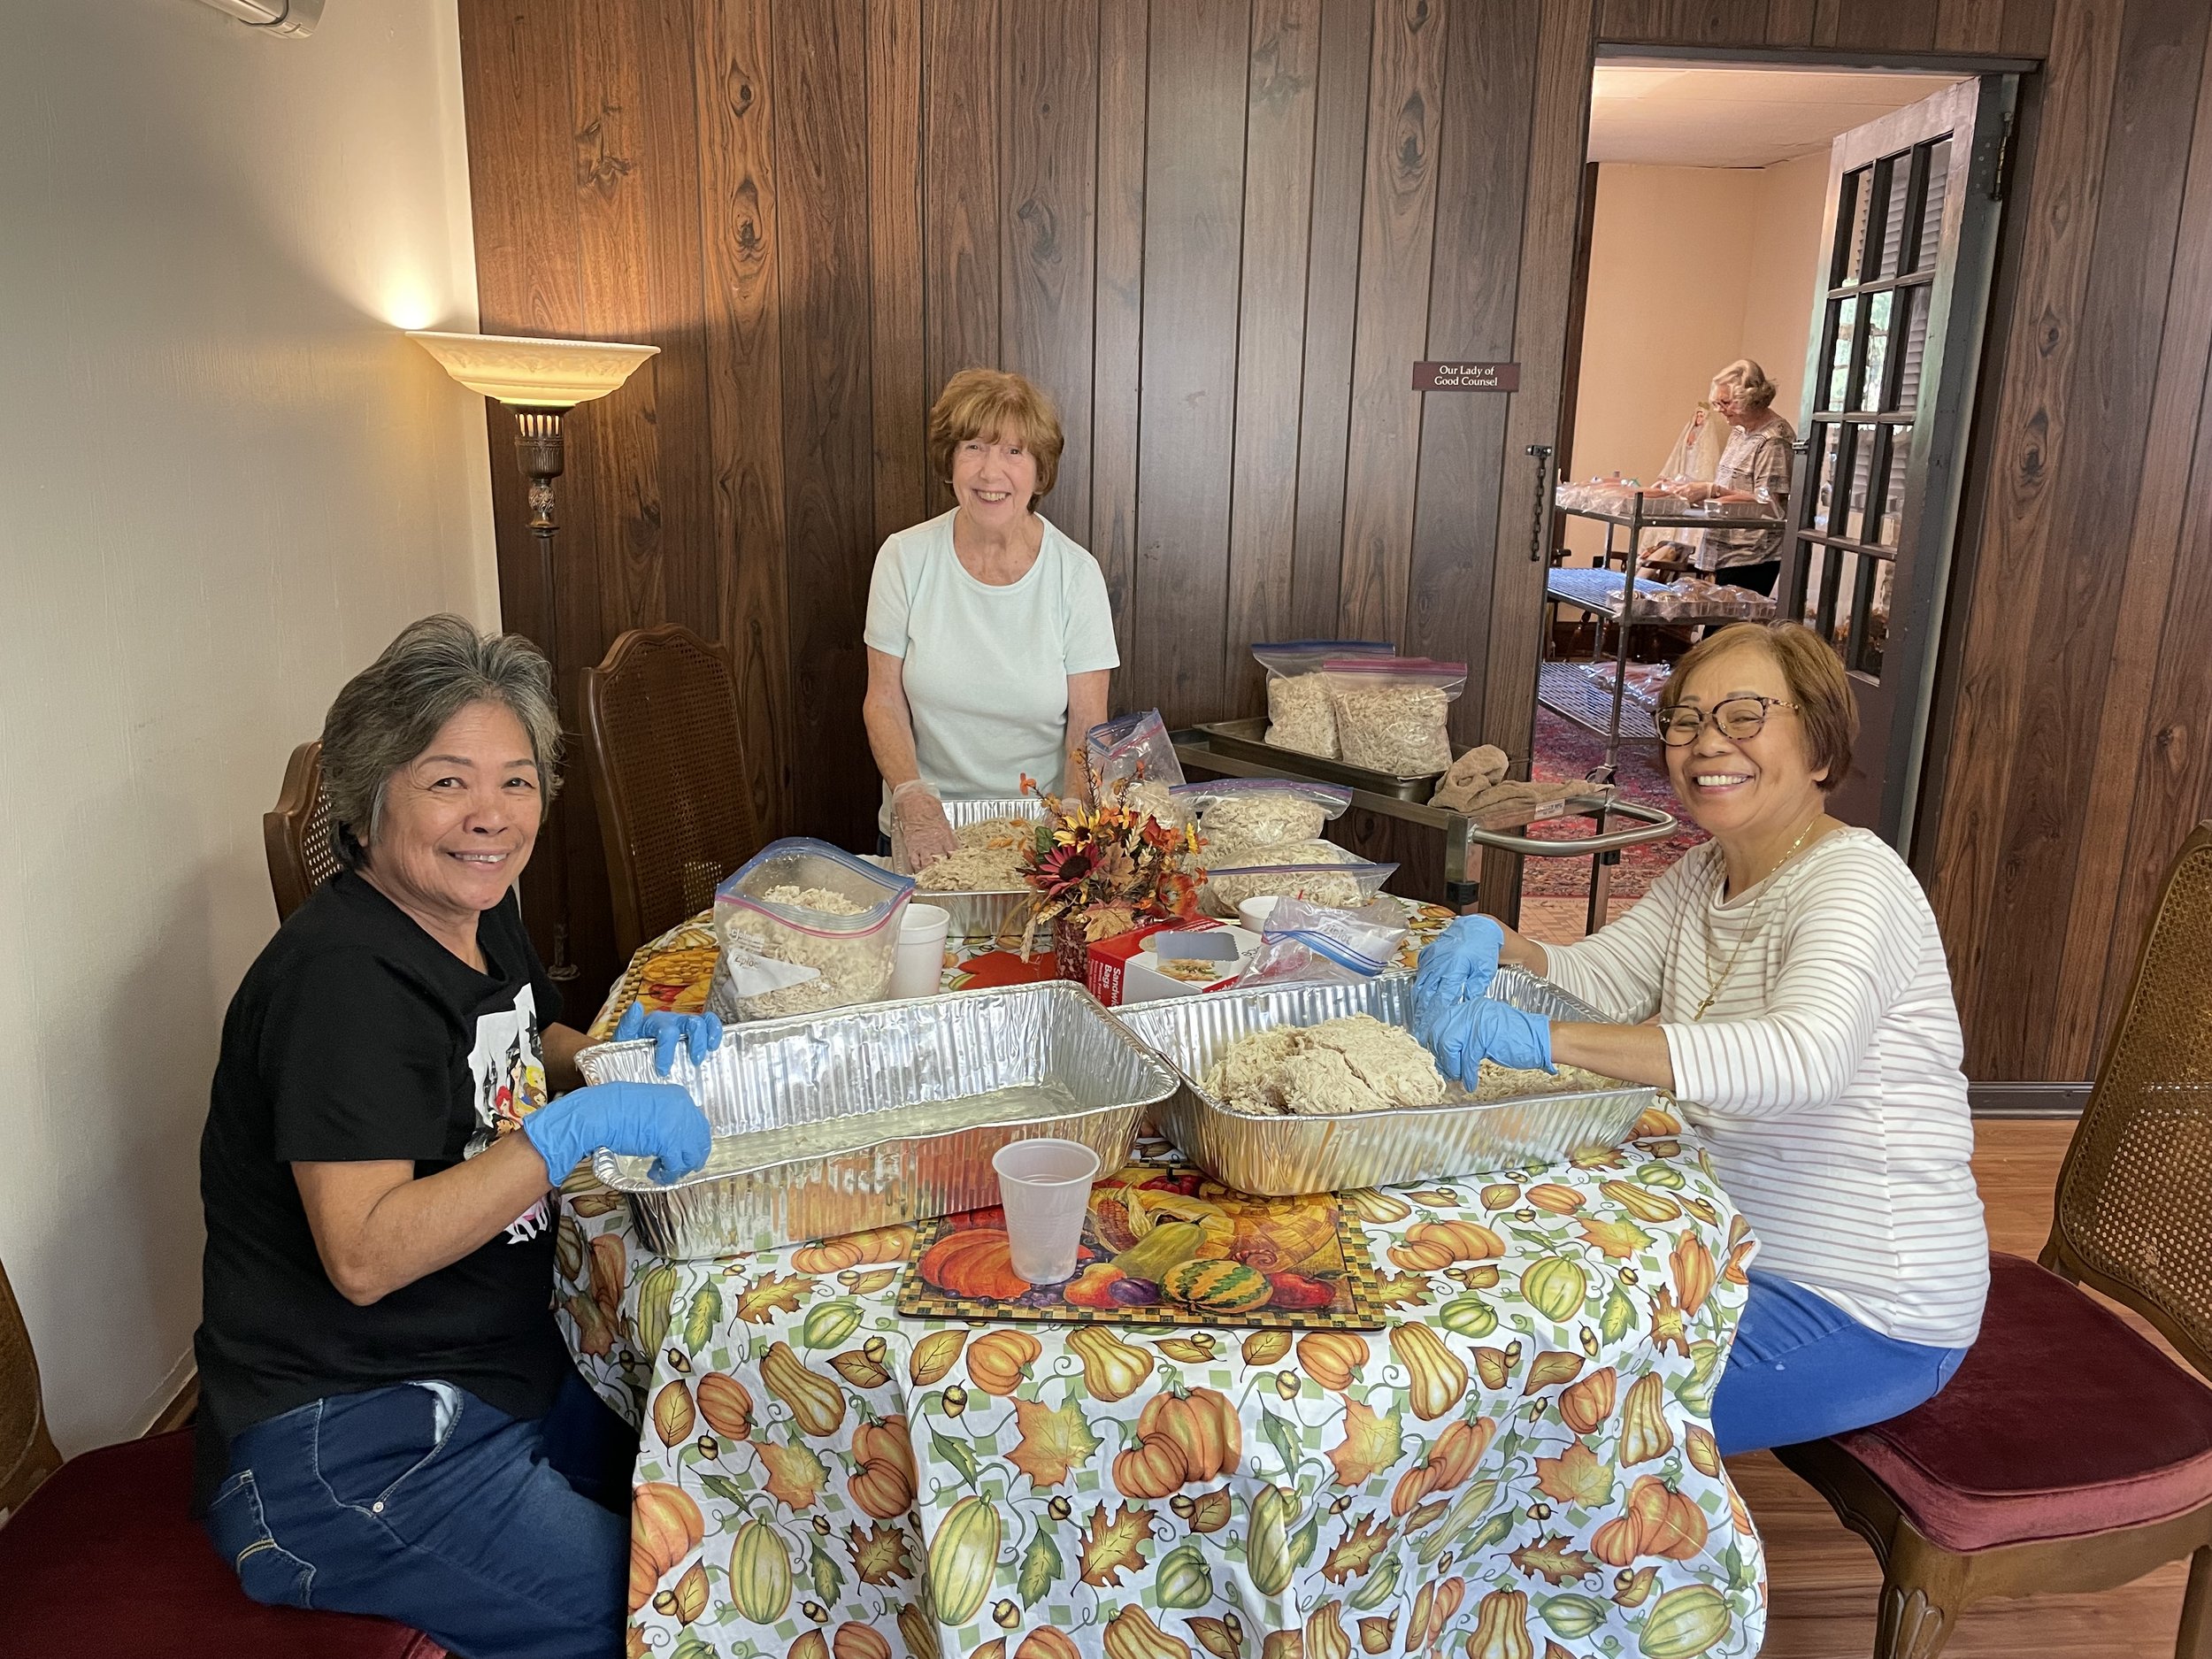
(356, 1037)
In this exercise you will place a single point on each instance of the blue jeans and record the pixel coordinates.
(1802, 1369)
(421, 1504)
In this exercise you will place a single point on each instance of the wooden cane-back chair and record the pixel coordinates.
(295, 833)
(27, 1454)
(667, 762)
(2069, 1453)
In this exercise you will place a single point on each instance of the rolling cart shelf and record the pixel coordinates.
(1570, 694)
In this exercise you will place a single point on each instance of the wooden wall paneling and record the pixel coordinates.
(960, 196)
(1970, 26)
(1285, 67)
(1790, 22)
(1875, 25)
(1118, 309)
(737, 209)
(1997, 629)
(2098, 476)
(895, 263)
(1332, 300)
(1397, 234)
(2026, 32)
(821, 136)
(1708, 22)
(2091, 547)
(1193, 207)
(1474, 283)
(1049, 185)
(2101, 919)
(1558, 137)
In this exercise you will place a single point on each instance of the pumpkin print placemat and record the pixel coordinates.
(1163, 1244)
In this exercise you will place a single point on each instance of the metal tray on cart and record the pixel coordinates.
(1248, 739)
(832, 1123)
(1277, 1157)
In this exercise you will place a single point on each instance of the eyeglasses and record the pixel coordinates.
(1738, 719)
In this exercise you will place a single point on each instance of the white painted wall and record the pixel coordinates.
(1690, 269)
(225, 480)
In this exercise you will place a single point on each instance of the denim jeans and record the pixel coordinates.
(1802, 1369)
(421, 1504)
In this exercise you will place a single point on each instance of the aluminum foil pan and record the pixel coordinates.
(1280, 1157)
(977, 917)
(827, 1124)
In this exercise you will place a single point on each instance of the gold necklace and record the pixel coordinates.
(1753, 926)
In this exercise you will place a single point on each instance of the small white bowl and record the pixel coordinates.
(1254, 912)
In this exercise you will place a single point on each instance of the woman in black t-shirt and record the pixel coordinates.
(385, 1398)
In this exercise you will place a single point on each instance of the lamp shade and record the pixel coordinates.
(533, 374)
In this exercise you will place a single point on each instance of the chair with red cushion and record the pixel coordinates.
(99, 1560)
(2069, 1453)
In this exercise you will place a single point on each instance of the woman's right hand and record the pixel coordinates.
(919, 817)
(1454, 966)
(647, 1120)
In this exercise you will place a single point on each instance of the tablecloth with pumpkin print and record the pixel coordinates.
(1519, 1466)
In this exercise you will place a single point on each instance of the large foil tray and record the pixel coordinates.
(772, 1074)
(1277, 1157)
(987, 916)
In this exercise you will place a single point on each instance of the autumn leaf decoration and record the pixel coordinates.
(1111, 1545)
(879, 1555)
(760, 1302)
(1051, 1443)
(1551, 1560)
(1111, 864)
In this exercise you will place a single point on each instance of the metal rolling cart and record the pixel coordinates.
(1613, 712)
(1237, 749)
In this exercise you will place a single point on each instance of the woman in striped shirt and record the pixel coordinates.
(1785, 982)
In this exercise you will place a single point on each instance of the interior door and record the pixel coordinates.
(1913, 209)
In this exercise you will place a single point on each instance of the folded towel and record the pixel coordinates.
(1479, 769)
(1477, 786)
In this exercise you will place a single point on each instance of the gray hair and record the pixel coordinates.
(1750, 381)
(390, 711)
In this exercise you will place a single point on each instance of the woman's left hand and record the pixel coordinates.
(700, 1033)
(1463, 1036)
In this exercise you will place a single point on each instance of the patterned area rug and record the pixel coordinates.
(1564, 751)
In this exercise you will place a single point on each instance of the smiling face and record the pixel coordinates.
(994, 478)
(456, 822)
(1750, 788)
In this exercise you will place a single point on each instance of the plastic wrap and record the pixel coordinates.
(1305, 942)
(1134, 746)
(1393, 713)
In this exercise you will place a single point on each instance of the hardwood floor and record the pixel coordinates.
(1823, 1579)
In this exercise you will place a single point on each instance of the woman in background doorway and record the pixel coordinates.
(1754, 466)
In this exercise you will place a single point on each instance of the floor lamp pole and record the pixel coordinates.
(538, 450)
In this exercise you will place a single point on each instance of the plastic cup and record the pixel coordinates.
(1254, 912)
(919, 968)
(1044, 1185)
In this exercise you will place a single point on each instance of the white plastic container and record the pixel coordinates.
(919, 969)
(1045, 1187)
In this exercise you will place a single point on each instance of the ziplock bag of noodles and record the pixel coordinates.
(1298, 712)
(1318, 871)
(803, 926)
(1316, 943)
(1135, 747)
(1393, 713)
(1235, 813)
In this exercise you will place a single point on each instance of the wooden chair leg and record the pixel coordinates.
(1924, 1590)
(2195, 1640)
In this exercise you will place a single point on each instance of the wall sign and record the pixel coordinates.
(1466, 377)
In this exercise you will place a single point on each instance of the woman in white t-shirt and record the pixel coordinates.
(1786, 983)
(990, 642)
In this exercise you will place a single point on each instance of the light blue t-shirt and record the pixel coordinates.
(986, 668)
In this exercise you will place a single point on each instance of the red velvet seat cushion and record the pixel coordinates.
(2060, 1422)
(104, 1562)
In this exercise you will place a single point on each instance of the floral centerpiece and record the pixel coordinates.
(1104, 866)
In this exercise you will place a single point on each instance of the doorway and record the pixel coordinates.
(1715, 195)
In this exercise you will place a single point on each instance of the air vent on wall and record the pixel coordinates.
(295, 18)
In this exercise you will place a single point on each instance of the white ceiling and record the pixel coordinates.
(1669, 116)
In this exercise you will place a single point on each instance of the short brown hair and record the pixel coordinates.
(1826, 711)
(992, 404)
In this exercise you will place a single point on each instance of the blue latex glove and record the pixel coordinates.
(700, 1033)
(1456, 966)
(1468, 1033)
(647, 1120)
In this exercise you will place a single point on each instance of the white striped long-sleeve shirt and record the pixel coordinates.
(1824, 1078)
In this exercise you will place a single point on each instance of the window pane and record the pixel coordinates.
(1873, 383)
(1815, 574)
(1931, 211)
(1839, 357)
(1910, 330)
(1827, 515)
(1893, 510)
(1877, 634)
(1851, 212)
(1862, 459)
(1891, 177)
(1836, 603)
